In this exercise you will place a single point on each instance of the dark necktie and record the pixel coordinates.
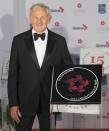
(36, 36)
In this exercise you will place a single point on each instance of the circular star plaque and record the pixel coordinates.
(76, 84)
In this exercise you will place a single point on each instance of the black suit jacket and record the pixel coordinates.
(28, 84)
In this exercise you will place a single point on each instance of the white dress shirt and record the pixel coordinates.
(40, 46)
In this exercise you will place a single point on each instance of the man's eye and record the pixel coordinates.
(43, 17)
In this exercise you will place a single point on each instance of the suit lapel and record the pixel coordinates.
(49, 48)
(31, 48)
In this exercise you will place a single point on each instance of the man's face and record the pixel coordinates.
(39, 19)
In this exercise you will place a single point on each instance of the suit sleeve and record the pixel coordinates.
(13, 75)
(66, 55)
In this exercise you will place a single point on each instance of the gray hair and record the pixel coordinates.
(40, 5)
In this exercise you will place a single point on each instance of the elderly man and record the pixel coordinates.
(33, 54)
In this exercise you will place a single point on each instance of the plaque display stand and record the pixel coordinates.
(93, 110)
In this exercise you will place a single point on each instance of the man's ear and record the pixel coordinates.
(49, 18)
(29, 20)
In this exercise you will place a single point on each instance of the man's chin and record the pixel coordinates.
(40, 30)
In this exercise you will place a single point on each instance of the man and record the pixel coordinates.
(33, 54)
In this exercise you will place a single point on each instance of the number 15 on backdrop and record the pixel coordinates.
(98, 55)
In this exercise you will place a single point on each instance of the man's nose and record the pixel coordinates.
(39, 20)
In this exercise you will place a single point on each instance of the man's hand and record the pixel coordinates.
(15, 113)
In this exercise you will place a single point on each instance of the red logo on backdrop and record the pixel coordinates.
(84, 27)
(61, 9)
(102, 23)
(79, 5)
(57, 24)
(107, 43)
(80, 41)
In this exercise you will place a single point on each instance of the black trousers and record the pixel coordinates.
(27, 122)
(43, 114)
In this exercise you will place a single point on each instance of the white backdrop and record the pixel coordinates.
(84, 23)
(6, 29)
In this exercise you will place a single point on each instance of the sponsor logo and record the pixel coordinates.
(83, 27)
(101, 8)
(59, 10)
(103, 45)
